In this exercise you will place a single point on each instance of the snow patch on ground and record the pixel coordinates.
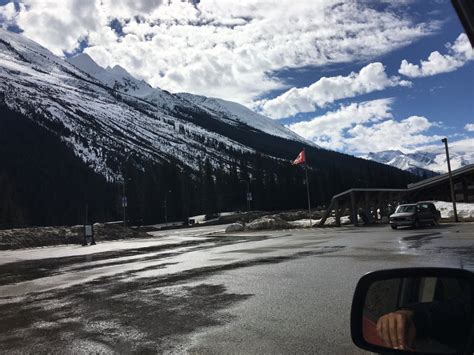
(465, 210)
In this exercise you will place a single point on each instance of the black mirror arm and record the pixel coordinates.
(465, 11)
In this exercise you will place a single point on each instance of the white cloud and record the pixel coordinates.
(459, 54)
(370, 78)
(366, 127)
(59, 25)
(329, 130)
(406, 134)
(8, 14)
(224, 48)
(455, 146)
(469, 127)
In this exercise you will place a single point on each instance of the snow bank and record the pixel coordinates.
(199, 219)
(465, 210)
(48, 236)
(235, 227)
(264, 223)
(304, 223)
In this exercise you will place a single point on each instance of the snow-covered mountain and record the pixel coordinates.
(415, 163)
(117, 77)
(106, 115)
(121, 80)
(235, 113)
(231, 112)
(432, 158)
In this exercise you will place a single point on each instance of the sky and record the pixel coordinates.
(353, 76)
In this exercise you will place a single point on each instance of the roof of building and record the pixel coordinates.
(415, 186)
(440, 178)
(367, 190)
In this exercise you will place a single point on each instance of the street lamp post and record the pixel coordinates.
(445, 141)
(248, 195)
(124, 201)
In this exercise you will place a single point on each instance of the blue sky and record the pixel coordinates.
(329, 70)
(446, 98)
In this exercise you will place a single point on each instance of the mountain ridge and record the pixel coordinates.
(429, 160)
(119, 79)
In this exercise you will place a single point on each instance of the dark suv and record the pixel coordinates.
(415, 214)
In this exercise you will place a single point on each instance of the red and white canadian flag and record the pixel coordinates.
(300, 159)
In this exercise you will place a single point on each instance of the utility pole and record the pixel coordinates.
(124, 195)
(445, 141)
(166, 208)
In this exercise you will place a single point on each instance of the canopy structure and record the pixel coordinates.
(376, 203)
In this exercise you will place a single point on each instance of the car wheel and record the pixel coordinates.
(393, 227)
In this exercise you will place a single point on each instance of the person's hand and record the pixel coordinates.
(397, 329)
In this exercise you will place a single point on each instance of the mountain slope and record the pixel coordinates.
(42, 181)
(235, 113)
(232, 113)
(119, 79)
(414, 164)
(101, 125)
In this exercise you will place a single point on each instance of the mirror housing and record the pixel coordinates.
(367, 282)
(465, 11)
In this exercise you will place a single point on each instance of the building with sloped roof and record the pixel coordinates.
(384, 200)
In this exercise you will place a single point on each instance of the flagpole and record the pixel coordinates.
(307, 191)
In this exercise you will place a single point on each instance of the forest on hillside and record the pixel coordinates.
(43, 183)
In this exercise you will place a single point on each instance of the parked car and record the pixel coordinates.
(414, 215)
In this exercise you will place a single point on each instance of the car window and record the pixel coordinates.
(423, 207)
(405, 209)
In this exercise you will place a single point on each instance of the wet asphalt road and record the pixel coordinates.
(187, 292)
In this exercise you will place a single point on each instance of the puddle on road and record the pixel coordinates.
(421, 236)
(418, 240)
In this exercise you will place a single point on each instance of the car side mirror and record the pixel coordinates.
(422, 310)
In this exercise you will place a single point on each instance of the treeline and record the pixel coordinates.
(43, 183)
(157, 192)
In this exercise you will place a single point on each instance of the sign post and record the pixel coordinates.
(88, 229)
